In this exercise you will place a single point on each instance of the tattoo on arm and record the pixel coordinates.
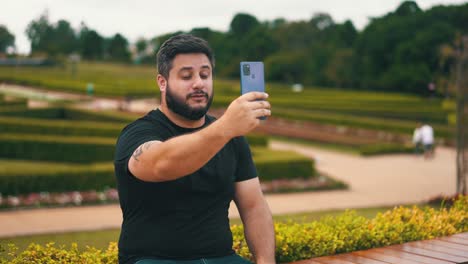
(140, 149)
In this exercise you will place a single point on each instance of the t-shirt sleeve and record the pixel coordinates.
(245, 166)
(132, 137)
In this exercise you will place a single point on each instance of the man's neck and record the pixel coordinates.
(180, 120)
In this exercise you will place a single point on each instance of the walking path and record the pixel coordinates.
(376, 181)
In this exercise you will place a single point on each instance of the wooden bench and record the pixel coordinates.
(444, 250)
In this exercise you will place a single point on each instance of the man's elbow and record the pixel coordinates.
(148, 172)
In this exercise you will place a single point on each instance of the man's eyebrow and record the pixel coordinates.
(185, 68)
(188, 68)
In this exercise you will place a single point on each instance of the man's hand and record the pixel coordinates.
(243, 114)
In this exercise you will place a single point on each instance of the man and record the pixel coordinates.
(427, 139)
(418, 147)
(178, 169)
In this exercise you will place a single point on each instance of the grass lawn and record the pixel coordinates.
(101, 239)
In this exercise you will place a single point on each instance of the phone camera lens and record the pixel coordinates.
(246, 69)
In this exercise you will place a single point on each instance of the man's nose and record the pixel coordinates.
(198, 83)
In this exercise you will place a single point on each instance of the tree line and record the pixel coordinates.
(403, 50)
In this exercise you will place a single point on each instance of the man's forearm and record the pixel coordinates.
(182, 155)
(260, 233)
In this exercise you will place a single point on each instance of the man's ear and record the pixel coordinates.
(162, 83)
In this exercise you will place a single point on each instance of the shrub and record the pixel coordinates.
(285, 168)
(366, 122)
(14, 103)
(258, 140)
(59, 127)
(45, 113)
(295, 241)
(56, 148)
(53, 177)
(350, 232)
(23, 177)
(282, 164)
(51, 254)
(68, 113)
(101, 116)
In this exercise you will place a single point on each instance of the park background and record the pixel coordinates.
(334, 89)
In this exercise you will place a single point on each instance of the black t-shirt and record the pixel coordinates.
(185, 218)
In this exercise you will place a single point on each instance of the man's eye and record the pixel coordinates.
(204, 76)
(186, 77)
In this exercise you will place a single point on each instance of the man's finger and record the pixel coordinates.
(262, 112)
(252, 96)
(260, 105)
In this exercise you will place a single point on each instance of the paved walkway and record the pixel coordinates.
(377, 181)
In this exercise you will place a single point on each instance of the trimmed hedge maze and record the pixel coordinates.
(62, 149)
(137, 81)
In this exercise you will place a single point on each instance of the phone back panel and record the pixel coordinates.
(252, 77)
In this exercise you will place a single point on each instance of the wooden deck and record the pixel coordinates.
(444, 250)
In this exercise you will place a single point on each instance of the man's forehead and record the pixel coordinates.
(191, 61)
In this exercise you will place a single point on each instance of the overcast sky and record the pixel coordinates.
(149, 18)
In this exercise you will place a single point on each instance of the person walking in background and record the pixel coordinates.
(178, 169)
(418, 147)
(427, 139)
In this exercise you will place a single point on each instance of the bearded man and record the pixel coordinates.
(178, 169)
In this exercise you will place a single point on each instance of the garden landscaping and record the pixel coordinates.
(296, 240)
(61, 156)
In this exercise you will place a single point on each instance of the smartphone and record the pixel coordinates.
(252, 77)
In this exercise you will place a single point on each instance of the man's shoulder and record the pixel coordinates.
(140, 123)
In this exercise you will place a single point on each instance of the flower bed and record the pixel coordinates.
(46, 199)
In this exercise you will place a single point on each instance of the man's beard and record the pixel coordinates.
(180, 107)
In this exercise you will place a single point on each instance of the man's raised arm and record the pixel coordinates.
(158, 161)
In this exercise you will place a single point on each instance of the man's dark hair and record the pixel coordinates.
(181, 44)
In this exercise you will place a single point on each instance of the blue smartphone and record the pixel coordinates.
(252, 77)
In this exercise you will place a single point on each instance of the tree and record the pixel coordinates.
(91, 44)
(117, 48)
(53, 39)
(243, 23)
(338, 69)
(39, 31)
(141, 45)
(7, 39)
(407, 8)
(285, 67)
(65, 37)
(322, 21)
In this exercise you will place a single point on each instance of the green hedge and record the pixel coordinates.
(14, 103)
(66, 113)
(388, 125)
(285, 169)
(80, 128)
(282, 164)
(44, 113)
(59, 127)
(22, 177)
(56, 148)
(296, 241)
(350, 232)
(50, 177)
(101, 116)
(258, 140)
